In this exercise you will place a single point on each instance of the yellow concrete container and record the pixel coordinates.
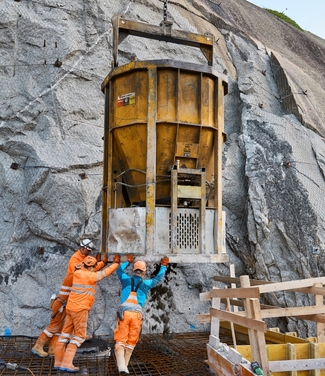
(159, 114)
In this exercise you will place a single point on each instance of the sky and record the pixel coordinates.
(308, 14)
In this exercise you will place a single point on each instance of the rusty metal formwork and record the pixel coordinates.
(183, 355)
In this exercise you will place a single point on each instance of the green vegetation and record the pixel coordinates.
(285, 18)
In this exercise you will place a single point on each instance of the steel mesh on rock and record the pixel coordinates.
(181, 354)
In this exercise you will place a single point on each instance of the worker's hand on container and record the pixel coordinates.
(164, 261)
(130, 258)
(117, 259)
(98, 257)
(105, 259)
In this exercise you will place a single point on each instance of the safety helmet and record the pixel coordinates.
(90, 261)
(88, 244)
(140, 265)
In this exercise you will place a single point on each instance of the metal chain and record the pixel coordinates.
(165, 9)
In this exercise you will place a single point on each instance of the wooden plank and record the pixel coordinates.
(205, 296)
(214, 327)
(236, 319)
(314, 354)
(291, 355)
(270, 337)
(316, 290)
(244, 280)
(317, 318)
(296, 365)
(256, 314)
(230, 280)
(236, 293)
(235, 307)
(222, 366)
(240, 303)
(203, 318)
(292, 311)
(320, 328)
(233, 285)
(290, 285)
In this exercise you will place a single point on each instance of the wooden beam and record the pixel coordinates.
(320, 328)
(290, 285)
(296, 365)
(256, 314)
(240, 303)
(205, 296)
(236, 293)
(203, 318)
(314, 354)
(316, 318)
(236, 319)
(291, 354)
(316, 290)
(230, 280)
(292, 311)
(214, 328)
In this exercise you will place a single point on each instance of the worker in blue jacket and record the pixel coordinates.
(133, 298)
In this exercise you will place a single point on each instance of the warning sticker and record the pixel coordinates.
(126, 99)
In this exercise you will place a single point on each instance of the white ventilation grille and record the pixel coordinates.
(188, 230)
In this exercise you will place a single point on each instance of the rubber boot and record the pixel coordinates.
(52, 343)
(67, 360)
(38, 348)
(59, 354)
(127, 355)
(119, 354)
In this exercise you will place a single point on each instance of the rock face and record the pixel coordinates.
(51, 151)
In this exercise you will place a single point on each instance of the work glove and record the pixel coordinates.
(105, 259)
(164, 261)
(99, 257)
(53, 297)
(117, 259)
(130, 258)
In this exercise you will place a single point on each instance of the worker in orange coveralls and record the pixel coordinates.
(52, 331)
(133, 298)
(81, 299)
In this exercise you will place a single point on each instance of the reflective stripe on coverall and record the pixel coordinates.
(127, 331)
(56, 323)
(81, 299)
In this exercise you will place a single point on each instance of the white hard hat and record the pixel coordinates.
(87, 243)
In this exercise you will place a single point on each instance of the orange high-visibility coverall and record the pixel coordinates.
(81, 299)
(127, 331)
(58, 308)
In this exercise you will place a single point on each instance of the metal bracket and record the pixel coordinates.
(164, 32)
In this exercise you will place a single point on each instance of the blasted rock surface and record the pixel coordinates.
(51, 151)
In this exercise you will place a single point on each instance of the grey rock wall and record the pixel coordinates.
(51, 151)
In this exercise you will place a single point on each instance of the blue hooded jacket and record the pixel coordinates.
(143, 288)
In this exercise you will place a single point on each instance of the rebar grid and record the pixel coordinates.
(155, 355)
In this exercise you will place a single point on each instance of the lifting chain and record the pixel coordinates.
(165, 9)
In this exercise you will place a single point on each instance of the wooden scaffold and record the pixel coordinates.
(286, 352)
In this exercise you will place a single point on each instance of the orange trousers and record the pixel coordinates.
(75, 327)
(127, 331)
(56, 324)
